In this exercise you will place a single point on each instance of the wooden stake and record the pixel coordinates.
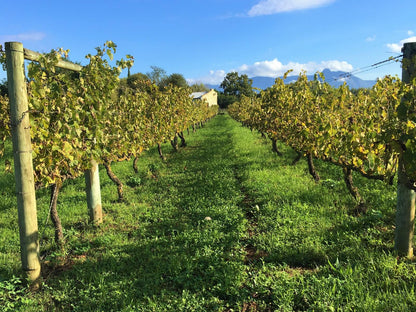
(92, 184)
(405, 213)
(23, 166)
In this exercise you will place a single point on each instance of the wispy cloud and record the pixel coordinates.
(397, 47)
(29, 36)
(214, 77)
(274, 68)
(370, 38)
(268, 7)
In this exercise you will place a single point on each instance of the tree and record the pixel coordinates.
(132, 79)
(174, 79)
(3, 87)
(225, 100)
(234, 84)
(157, 75)
(199, 87)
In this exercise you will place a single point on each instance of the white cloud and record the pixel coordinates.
(214, 77)
(410, 32)
(274, 68)
(394, 47)
(371, 38)
(30, 36)
(397, 47)
(268, 7)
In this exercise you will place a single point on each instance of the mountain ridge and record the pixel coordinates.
(334, 78)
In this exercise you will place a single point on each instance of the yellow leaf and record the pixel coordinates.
(410, 124)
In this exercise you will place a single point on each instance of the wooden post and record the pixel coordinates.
(23, 166)
(34, 56)
(405, 214)
(92, 183)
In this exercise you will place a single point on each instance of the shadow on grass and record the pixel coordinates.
(306, 245)
(140, 271)
(187, 246)
(8, 191)
(188, 241)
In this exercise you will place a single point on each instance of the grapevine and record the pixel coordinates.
(357, 131)
(77, 117)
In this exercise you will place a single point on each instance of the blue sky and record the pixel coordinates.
(205, 39)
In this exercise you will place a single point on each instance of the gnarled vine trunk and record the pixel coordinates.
(311, 168)
(274, 147)
(361, 206)
(159, 148)
(174, 143)
(53, 212)
(135, 161)
(297, 158)
(182, 137)
(116, 181)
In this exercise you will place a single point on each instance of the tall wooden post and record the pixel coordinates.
(23, 166)
(92, 183)
(405, 214)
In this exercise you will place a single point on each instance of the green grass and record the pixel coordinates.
(223, 225)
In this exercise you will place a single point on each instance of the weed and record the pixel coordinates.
(134, 181)
(13, 294)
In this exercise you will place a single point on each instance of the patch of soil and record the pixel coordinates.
(253, 255)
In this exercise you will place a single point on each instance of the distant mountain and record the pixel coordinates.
(213, 86)
(334, 78)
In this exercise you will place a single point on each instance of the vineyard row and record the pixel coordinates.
(371, 131)
(76, 119)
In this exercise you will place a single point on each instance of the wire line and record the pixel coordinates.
(369, 67)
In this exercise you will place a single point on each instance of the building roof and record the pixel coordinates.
(197, 95)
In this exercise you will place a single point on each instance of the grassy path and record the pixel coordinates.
(223, 225)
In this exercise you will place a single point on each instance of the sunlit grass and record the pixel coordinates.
(223, 225)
